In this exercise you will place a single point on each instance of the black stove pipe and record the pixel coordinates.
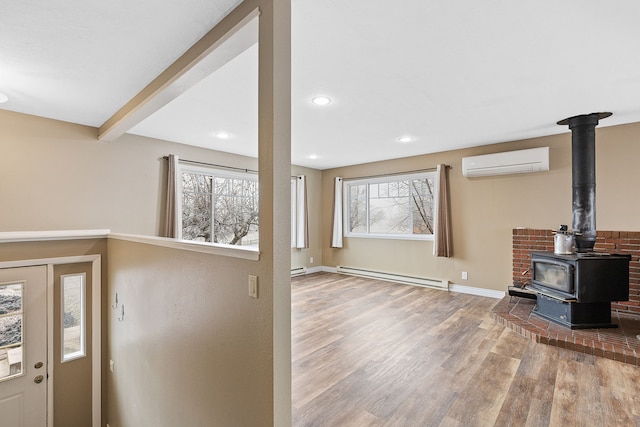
(583, 161)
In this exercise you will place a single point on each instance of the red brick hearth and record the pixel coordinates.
(619, 343)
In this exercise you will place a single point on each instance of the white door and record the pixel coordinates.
(23, 347)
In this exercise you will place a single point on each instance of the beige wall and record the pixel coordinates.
(485, 210)
(193, 348)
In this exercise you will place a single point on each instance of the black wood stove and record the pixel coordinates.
(576, 289)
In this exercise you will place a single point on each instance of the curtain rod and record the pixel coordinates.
(195, 162)
(395, 173)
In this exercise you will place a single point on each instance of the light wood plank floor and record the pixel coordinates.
(373, 353)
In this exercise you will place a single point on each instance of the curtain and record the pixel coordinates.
(302, 214)
(336, 229)
(442, 245)
(170, 208)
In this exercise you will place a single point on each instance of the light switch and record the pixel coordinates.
(253, 286)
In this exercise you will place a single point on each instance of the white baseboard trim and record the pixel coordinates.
(476, 291)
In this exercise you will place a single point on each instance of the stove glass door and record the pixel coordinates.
(553, 275)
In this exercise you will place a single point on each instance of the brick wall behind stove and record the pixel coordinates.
(527, 240)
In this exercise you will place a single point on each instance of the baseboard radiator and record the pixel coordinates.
(298, 271)
(393, 277)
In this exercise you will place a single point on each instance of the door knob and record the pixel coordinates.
(38, 365)
(38, 379)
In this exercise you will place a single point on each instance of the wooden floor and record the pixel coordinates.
(373, 353)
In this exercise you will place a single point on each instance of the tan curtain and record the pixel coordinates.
(336, 226)
(442, 245)
(302, 214)
(170, 227)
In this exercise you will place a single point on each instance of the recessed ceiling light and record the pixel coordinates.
(312, 156)
(405, 139)
(3, 98)
(222, 135)
(321, 100)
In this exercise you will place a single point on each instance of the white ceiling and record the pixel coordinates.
(450, 74)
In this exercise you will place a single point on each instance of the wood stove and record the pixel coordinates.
(576, 289)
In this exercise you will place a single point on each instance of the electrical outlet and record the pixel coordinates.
(311, 260)
(465, 276)
(253, 286)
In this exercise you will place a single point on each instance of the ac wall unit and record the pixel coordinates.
(508, 162)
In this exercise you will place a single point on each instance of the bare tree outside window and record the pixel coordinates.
(219, 209)
(422, 204)
(399, 206)
(358, 208)
(196, 207)
(236, 211)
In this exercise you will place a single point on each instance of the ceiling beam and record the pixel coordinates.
(232, 36)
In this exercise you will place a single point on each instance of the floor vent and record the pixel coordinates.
(392, 277)
(298, 271)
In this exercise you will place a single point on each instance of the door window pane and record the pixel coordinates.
(11, 335)
(73, 316)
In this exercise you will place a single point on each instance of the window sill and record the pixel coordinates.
(428, 238)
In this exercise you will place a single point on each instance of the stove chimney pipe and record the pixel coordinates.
(583, 162)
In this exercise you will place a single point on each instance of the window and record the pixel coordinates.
(73, 316)
(399, 206)
(11, 321)
(218, 206)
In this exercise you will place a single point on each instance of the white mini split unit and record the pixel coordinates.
(508, 162)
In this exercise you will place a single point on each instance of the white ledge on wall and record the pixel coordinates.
(251, 254)
(37, 236)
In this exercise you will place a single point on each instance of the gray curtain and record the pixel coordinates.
(169, 228)
(336, 228)
(302, 214)
(442, 245)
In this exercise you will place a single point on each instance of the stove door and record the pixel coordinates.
(553, 274)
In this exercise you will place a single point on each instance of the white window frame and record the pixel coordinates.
(83, 318)
(376, 180)
(203, 170)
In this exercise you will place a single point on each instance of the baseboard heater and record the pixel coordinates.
(393, 277)
(298, 271)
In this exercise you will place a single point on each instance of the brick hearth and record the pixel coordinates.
(619, 343)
